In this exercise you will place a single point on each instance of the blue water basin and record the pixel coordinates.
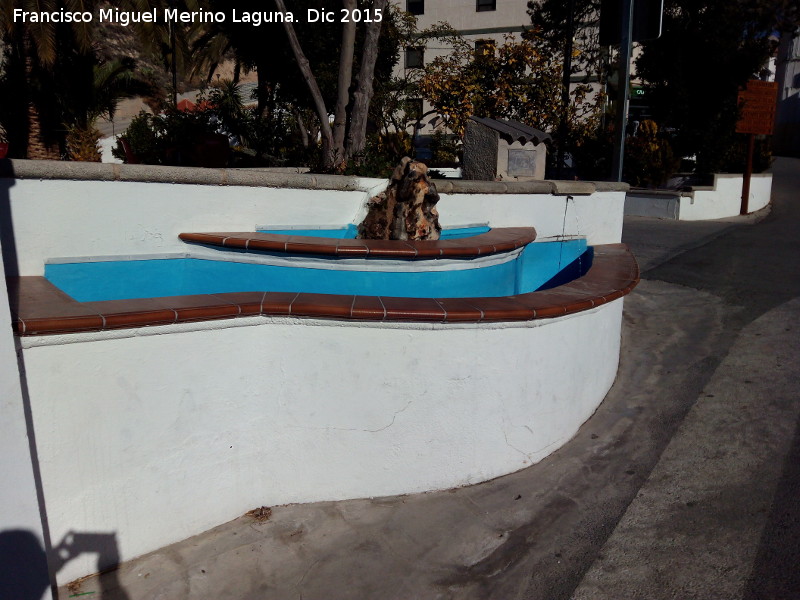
(539, 266)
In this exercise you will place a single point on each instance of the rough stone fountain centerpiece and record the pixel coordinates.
(406, 210)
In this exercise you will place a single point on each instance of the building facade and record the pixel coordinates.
(482, 23)
(786, 139)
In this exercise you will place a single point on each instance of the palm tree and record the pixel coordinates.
(35, 47)
(111, 82)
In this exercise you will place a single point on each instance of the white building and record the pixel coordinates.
(786, 140)
(473, 19)
(483, 23)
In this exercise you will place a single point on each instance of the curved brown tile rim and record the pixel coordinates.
(503, 239)
(40, 308)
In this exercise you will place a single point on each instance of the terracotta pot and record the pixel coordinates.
(3, 149)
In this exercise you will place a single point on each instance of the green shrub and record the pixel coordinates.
(143, 139)
(649, 160)
(445, 150)
(735, 160)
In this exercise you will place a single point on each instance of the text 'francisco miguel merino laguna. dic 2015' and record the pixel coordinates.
(173, 15)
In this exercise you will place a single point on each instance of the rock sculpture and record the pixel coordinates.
(406, 210)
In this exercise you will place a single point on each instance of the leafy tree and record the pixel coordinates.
(648, 157)
(519, 80)
(83, 101)
(325, 87)
(339, 147)
(708, 50)
(549, 21)
(32, 55)
(57, 85)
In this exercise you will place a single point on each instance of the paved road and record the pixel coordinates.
(684, 484)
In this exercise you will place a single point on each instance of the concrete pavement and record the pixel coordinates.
(682, 485)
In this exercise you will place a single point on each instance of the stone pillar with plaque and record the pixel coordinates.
(503, 150)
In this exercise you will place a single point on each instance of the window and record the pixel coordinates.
(482, 5)
(414, 108)
(484, 48)
(415, 7)
(415, 57)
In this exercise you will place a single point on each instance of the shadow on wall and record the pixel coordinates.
(23, 566)
(6, 228)
(104, 545)
(23, 563)
(27, 570)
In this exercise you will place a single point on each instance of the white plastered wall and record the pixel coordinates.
(724, 198)
(135, 426)
(20, 519)
(598, 216)
(142, 435)
(58, 218)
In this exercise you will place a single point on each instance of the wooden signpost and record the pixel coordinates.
(756, 117)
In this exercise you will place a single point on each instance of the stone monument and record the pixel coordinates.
(506, 150)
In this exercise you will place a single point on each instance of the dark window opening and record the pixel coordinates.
(482, 5)
(415, 7)
(415, 57)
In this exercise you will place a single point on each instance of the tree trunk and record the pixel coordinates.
(302, 127)
(263, 89)
(37, 148)
(316, 95)
(345, 77)
(357, 135)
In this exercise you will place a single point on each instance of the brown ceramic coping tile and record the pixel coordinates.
(502, 239)
(322, 305)
(351, 248)
(132, 313)
(413, 309)
(38, 307)
(368, 307)
(278, 303)
(503, 308)
(201, 307)
(249, 303)
(461, 309)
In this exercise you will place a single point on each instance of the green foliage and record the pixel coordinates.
(55, 67)
(143, 139)
(549, 20)
(708, 50)
(649, 160)
(518, 81)
(82, 144)
(445, 150)
(591, 155)
(735, 159)
(378, 160)
(172, 137)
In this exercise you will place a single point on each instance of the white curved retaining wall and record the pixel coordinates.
(19, 516)
(719, 201)
(724, 198)
(146, 436)
(149, 436)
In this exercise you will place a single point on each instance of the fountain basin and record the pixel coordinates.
(157, 418)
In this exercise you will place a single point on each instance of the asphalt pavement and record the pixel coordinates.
(684, 484)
